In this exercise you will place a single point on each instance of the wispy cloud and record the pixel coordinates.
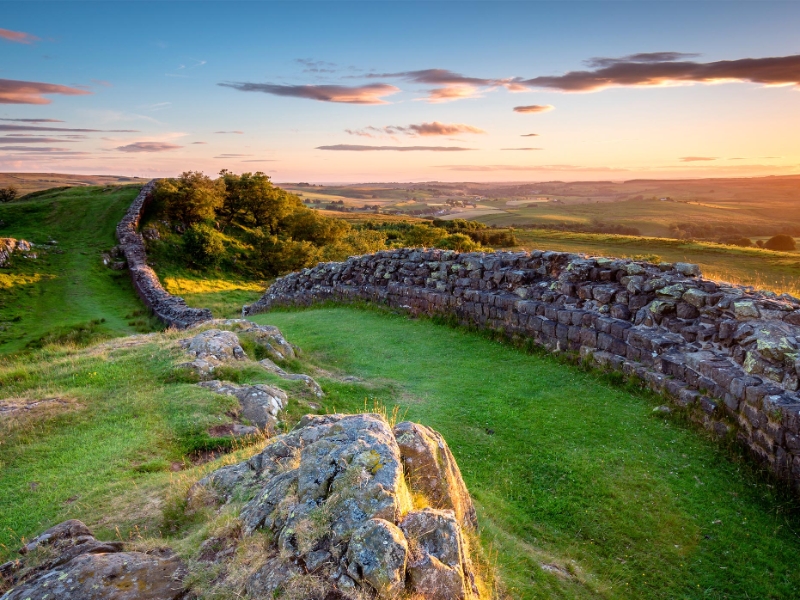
(49, 150)
(260, 160)
(358, 148)
(102, 82)
(13, 91)
(26, 139)
(317, 66)
(198, 143)
(237, 132)
(156, 106)
(529, 135)
(363, 94)
(532, 168)
(67, 129)
(455, 86)
(148, 147)
(697, 158)
(417, 130)
(34, 120)
(670, 68)
(534, 108)
(232, 155)
(18, 36)
(521, 148)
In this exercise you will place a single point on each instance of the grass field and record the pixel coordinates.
(67, 287)
(34, 182)
(583, 491)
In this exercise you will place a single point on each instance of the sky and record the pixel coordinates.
(379, 91)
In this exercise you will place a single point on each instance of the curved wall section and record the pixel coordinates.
(171, 310)
(729, 354)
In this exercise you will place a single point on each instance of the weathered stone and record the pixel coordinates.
(210, 349)
(688, 269)
(433, 471)
(377, 554)
(260, 403)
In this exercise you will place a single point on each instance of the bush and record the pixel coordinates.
(738, 241)
(192, 198)
(8, 194)
(780, 242)
(203, 245)
(459, 242)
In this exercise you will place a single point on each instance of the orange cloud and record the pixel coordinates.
(451, 93)
(422, 130)
(148, 147)
(522, 148)
(18, 36)
(696, 158)
(358, 148)
(32, 92)
(529, 135)
(664, 68)
(567, 168)
(534, 108)
(364, 94)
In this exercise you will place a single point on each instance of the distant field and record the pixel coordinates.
(33, 182)
(751, 207)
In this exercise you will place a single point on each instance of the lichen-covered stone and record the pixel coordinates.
(377, 554)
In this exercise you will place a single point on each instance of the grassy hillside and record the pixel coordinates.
(66, 291)
(34, 182)
(583, 491)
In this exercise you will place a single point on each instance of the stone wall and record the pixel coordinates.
(728, 354)
(171, 310)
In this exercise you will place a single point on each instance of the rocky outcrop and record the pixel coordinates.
(72, 564)
(729, 354)
(171, 310)
(336, 501)
(211, 349)
(261, 404)
(8, 246)
(267, 336)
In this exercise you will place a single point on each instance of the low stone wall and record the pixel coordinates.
(171, 310)
(729, 354)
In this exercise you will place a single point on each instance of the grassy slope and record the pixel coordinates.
(33, 182)
(575, 472)
(63, 290)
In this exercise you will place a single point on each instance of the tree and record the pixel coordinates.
(8, 194)
(191, 198)
(780, 242)
(203, 245)
(265, 205)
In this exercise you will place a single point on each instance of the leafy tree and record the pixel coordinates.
(311, 226)
(252, 199)
(780, 242)
(459, 242)
(7, 194)
(203, 245)
(274, 256)
(191, 198)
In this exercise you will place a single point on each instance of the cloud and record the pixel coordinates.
(18, 36)
(363, 94)
(13, 91)
(30, 139)
(455, 85)
(317, 66)
(697, 158)
(148, 147)
(529, 135)
(194, 143)
(68, 129)
(34, 120)
(665, 68)
(357, 148)
(260, 160)
(417, 130)
(237, 132)
(534, 108)
(42, 150)
(102, 82)
(232, 155)
(567, 168)
(522, 148)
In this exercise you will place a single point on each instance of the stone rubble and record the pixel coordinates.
(211, 349)
(336, 500)
(261, 404)
(729, 354)
(8, 246)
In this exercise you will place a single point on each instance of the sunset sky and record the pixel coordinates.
(382, 91)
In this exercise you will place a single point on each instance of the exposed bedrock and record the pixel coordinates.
(729, 354)
(171, 310)
(343, 513)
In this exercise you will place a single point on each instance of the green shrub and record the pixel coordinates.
(203, 245)
(459, 242)
(780, 242)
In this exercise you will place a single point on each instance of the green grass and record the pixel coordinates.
(577, 472)
(67, 287)
(567, 468)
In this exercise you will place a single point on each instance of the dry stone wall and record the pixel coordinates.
(728, 354)
(171, 310)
